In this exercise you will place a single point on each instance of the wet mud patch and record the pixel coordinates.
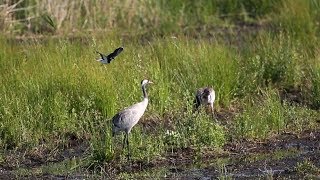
(287, 155)
(43, 161)
(307, 141)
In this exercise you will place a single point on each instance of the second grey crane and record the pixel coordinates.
(206, 97)
(127, 118)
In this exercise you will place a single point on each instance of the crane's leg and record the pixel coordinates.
(211, 109)
(212, 113)
(124, 140)
(196, 104)
(129, 154)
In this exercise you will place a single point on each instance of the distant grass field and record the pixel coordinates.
(54, 90)
(161, 17)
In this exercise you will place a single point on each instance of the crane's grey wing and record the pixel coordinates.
(121, 119)
(198, 98)
(196, 102)
(116, 120)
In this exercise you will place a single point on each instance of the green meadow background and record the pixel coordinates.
(262, 57)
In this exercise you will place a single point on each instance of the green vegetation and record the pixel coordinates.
(307, 168)
(52, 90)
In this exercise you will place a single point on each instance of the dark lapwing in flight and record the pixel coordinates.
(106, 59)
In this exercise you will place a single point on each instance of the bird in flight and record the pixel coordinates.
(106, 59)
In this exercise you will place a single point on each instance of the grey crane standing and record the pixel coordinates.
(205, 96)
(127, 118)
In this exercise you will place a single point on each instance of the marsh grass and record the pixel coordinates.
(54, 92)
(307, 168)
(267, 115)
(299, 17)
(278, 61)
(261, 117)
(315, 89)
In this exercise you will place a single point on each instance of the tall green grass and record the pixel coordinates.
(299, 17)
(54, 92)
(315, 89)
(268, 115)
(275, 60)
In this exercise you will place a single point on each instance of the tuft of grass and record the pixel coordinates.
(315, 91)
(298, 18)
(307, 168)
(194, 131)
(274, 62)
(261, 116)
(267, 114)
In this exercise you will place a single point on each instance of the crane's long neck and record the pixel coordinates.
(145, 95)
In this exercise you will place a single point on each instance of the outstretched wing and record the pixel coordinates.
(115, 53)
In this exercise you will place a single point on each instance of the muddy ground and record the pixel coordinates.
(285, 156)
(292, 156)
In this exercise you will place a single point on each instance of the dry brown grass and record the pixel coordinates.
(7, 11)
(70, 16)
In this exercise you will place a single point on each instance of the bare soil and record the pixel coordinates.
(278, 156)
(245, 159)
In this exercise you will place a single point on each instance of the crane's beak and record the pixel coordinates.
(150, 82)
